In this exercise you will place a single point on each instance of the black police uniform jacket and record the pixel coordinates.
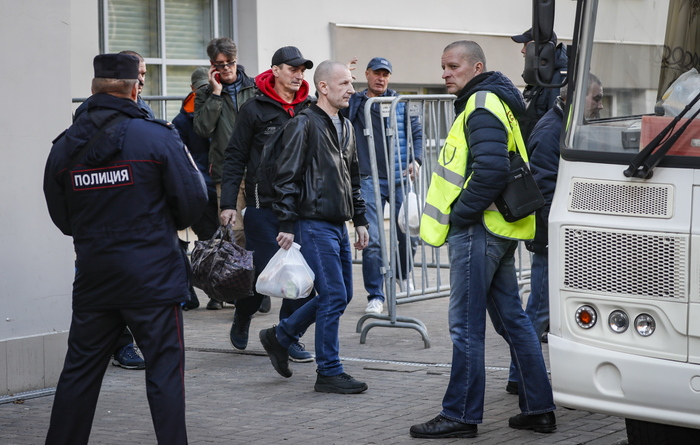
(318, 176)
(123, 203)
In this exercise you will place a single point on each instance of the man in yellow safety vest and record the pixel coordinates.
(472, 171)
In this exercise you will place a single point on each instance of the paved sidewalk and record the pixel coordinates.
(235, 397)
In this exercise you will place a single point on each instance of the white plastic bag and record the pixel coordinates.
(287, 275)
(410, 205)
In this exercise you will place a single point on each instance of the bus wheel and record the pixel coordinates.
(649, 433)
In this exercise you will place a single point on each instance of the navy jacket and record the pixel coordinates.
(123, 204)
(539, 99)
(196, 144)
(356, 113)
(488, 160)
(544, 163)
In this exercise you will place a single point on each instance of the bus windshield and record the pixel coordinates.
(636, 69)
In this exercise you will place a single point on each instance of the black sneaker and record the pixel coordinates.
(214, 305)
(193, 302)
(339, 384)
(266, 305)
(512, 387)
(278, 354)
(239, 331)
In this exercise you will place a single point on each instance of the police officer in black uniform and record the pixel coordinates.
(122, 185)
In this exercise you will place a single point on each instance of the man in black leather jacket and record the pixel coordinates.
(282, 94)
(318, 187)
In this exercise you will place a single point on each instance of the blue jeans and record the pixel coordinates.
(372, 254)
(261, 229)
(537, 308)
(326, 248)
(483, 278)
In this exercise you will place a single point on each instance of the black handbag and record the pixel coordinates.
(221, 268)
(521, 196)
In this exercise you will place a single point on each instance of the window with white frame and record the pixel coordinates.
(171, 36)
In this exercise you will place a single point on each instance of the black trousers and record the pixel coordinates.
(91, 342)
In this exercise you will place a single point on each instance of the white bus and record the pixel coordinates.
(624, 230)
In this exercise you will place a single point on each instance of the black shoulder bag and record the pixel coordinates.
(521, 197)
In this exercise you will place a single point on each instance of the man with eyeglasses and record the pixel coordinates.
(216, 108)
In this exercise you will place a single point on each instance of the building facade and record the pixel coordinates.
(48, 47)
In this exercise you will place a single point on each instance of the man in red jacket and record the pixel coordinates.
(283, 94)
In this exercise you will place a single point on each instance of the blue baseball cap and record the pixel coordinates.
(379, 63)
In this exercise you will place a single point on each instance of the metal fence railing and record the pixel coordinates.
(427, 272)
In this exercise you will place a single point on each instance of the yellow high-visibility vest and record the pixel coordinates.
(448, 180)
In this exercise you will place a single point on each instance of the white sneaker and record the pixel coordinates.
(374, 306)
(407, 286)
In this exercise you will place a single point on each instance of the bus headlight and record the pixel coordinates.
(618, 321)
(586, 317)
(645, 325)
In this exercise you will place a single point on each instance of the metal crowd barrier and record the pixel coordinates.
(428, 272)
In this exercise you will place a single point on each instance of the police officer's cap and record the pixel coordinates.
(116, 66)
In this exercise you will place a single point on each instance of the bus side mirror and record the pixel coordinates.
(543, 20)
(539, 68)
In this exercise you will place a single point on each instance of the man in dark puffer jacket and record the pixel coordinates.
(481, 248)
(544, 163)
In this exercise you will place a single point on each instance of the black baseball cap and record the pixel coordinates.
(116, 66)
(527, 37)
(291, 56)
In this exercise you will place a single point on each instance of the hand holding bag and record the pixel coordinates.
(287, 275)
(221, 268)
(410, 205)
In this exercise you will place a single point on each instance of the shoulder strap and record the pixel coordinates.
(517, 134)
(75, 159)
(480, 99)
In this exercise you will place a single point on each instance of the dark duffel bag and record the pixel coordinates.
(221, 268)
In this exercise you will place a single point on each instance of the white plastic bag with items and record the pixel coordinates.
(681, 92)
(410, 205)
(287, 275)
